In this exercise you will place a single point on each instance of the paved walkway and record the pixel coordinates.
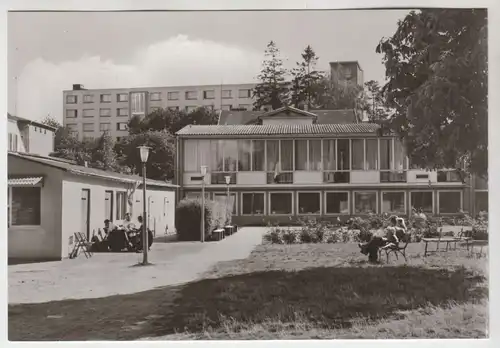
(109, 274)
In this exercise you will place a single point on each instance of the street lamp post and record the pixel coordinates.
(203, 170)
(228, 181)
(144, 153)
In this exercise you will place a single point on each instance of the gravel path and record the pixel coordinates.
(112, 274)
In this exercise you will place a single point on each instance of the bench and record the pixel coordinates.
(218, 234)
(447, 241)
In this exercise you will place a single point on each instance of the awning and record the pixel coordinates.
(26, 181)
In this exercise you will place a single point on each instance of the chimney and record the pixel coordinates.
(78, 87)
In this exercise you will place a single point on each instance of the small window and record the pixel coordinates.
(88, 112)
(122, 112)
(393, 202)
(173, 95)
(155, 96)
(88, 127)
(155, 109)
(105, 98)
(245, 106)
(422, 200)
(25, 206)
(71, 99)
(244, 93)
(281, 203)
(71, 113)
(227, 94)
(121, 205)
(173, 108)
(450, 202)
(122, 126)
(337, 202)
(365, 202)
(122, 97)
(253, 203)
(104, 127)
(209, 94)
(191, 95)
(88, 98)
(105, 112)
(226, 107)
(309, 203)
(190, 108)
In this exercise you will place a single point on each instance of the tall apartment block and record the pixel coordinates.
(90, 112)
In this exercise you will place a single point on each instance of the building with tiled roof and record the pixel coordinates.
(291, 163)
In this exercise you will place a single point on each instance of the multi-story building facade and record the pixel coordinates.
(91, 112)
(29, 136)
(289, 164)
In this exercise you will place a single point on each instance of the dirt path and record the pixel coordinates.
(112, 274)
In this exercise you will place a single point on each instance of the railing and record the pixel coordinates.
(393, 176)
(280, 178)
(220, 178)
(336, 177)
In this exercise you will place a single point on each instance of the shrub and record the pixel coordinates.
(188, 219)
(289, 236)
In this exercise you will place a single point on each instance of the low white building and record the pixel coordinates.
(29, 136)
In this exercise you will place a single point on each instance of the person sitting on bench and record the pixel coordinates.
(385, 238)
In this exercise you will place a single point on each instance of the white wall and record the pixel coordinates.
(13, 128)
(41, 140)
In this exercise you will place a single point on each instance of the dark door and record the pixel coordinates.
(108, 205)
(85, 210)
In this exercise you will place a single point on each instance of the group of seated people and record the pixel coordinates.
(102, 242)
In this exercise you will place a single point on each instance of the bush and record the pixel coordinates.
(188, 220)
(289, 236)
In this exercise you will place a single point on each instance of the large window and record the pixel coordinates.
(481, 201)
(386, 154)
(196, 154)
(252, 203)
(230, 149)
(365, 202)
(245, 93)
(343, 154)
(450, 202)
(358, 157)
(309, 203)
(226, 94)
(337, 202)
(301, 155)
(422, 200)
(71, 113)
(399, 156)
(105, 98)
(138, 103)
(314, 155)
(173, 95)
(371, 151)
(88, 112)
(191, 95)
(122, 97)
(281, 203)
(329, 154)
(272, 152)
(209, 94)
(155, 96)
(258, 155)
(393, 202)
(24, 206)
(105, 112)
(244, 155)
(222, 199)
(88, 127)
(286, 154)
(121, 205)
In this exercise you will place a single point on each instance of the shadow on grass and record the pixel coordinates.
(326, 297)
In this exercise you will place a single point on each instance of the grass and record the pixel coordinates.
(285, 292)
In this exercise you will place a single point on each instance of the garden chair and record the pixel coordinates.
(81, 243)
(396, 249)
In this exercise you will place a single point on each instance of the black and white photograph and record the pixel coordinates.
(260, 174)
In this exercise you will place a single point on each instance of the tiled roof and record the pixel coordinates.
(324, 117)
(82, 170)
(25, 181)
(298, 129)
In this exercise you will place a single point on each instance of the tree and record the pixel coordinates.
(161, 161)
(305, 79)
(436, 65)
(272, 89)
(374, 103)
(103, 155)
(52, 122)
(333, 94)
(67, 146)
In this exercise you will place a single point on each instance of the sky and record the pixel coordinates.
(50, 51)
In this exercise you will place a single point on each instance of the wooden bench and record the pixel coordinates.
(447, 241)
(218, 234)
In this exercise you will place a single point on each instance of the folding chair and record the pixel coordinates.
(397, 249)
(81, 243)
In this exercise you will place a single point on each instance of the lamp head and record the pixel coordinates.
(228, 179)
(144, 152)
(204, 170)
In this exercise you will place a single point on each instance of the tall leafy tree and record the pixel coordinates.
(436, 65)
(332, 94)
(272, 89)
(374, 105)
(305, 79)
(103, 154)
(52, 122)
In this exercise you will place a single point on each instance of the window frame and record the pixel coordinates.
(75, 98)
(253, 193)
(87, 116)
(118, 100)
(224, 194)
(157, 96)
(123, 211)
(205, 94)
(230, 94)
(75, 111)
(118, 114)
(394, 212)
(100, 112)
(112, 196)
(186, 95)
(170, 94)
(292, 205)
(297, 202)
(9, 207)
(104, 123)
(88, 101)
(118, 126)
(349, 208)
(88, 131)
(248, 95)
(365, 191)
(449, 191)
(424, 191)
(102, 98)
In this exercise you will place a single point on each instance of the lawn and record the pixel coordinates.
(285, 292)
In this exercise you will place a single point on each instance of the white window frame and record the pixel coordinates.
(157, 96)
(224, 194)
(102, 98)
(423, 191)
(119, 114)
(9, 205)
(230, 94)
(307, 214)
(186, 94)
(205, 94)
(349, 208)
(118, 98)
(73, 98)
(253, 192)
(88, 131)
(118, 128)
(439, 201)
(365, 191)
(393, 191)
(87, 116)
(249, 94)
(292, 205)
(171, 94)
(100, 112)
(102, 124)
